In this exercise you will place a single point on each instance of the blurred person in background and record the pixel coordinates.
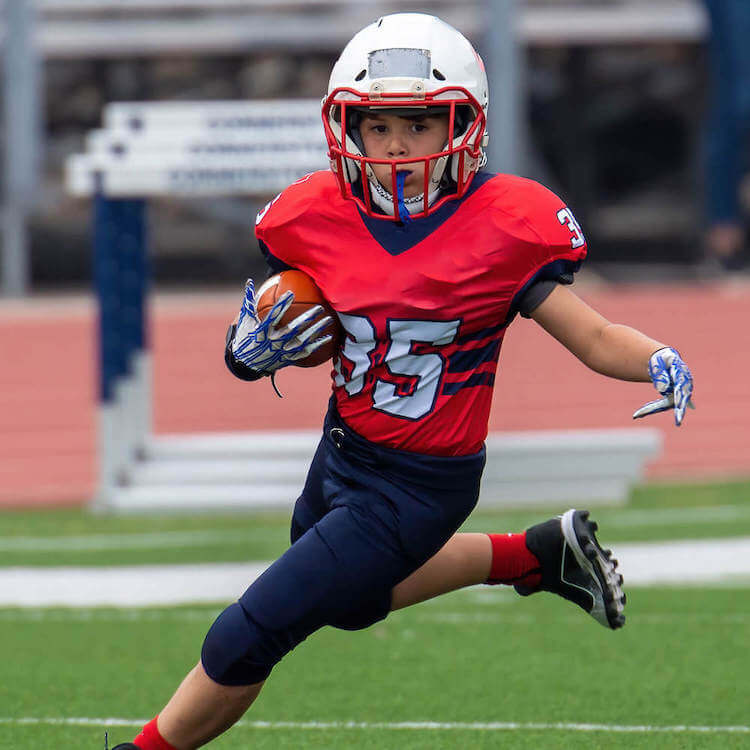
(728, 131)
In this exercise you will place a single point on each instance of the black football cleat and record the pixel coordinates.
(574, 566)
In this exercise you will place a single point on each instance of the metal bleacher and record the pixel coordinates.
(118, 28)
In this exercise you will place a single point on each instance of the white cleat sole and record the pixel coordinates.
(608, 598)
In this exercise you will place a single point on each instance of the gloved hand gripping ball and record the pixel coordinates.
(289, 323)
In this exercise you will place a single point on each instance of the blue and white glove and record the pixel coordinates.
(265, 345)
(672, 378)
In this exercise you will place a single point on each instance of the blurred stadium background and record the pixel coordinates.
(601, 100)
(613, 94)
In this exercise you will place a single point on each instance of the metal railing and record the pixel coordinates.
(228, 27)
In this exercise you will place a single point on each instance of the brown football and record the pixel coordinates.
(306, 295)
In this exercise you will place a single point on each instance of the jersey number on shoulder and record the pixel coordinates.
(566, 218)
(265, 208)
(400, 359)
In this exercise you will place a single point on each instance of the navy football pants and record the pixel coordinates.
(367, 518)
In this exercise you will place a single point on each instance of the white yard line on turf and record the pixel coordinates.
(492, 726)
(706, 561)
(694, 561)
(126, 586)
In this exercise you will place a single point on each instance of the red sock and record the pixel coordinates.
(512, 563)
(150, 739)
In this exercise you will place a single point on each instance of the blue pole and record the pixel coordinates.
(121, 278)
(106, 274)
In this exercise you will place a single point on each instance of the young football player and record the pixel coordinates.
(425, 260)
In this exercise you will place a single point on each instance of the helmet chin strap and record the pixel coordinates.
(407, 206)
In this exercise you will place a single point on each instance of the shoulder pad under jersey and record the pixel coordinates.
(309, 194)
(538, 216)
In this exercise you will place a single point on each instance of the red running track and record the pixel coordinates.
(48, 383)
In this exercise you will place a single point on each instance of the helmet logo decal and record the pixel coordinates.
(400, 62)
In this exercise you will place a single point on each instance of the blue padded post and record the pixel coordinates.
(120, 271)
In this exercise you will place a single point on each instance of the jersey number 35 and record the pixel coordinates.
(400, 360)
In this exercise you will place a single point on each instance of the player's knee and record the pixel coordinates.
(375, 610)
(237, 651)
(355, 622)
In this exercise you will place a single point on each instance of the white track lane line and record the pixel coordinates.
(695, 561)
(126, 586)
(492, 726)
(708, 561)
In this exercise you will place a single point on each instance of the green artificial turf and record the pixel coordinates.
(488, 668)
(477, 656)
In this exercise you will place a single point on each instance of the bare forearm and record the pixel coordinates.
(620, 351)
(612, 349)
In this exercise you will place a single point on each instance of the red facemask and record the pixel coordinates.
(462, 154)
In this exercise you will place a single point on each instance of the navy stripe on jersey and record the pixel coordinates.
(482, 333)
(396, 238)
(471, 359)
(478, 378)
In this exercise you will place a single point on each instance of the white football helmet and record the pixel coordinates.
(415, 62)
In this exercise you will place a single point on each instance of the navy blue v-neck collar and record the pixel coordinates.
(396, 238)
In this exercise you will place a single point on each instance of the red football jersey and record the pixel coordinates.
(424, 306)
